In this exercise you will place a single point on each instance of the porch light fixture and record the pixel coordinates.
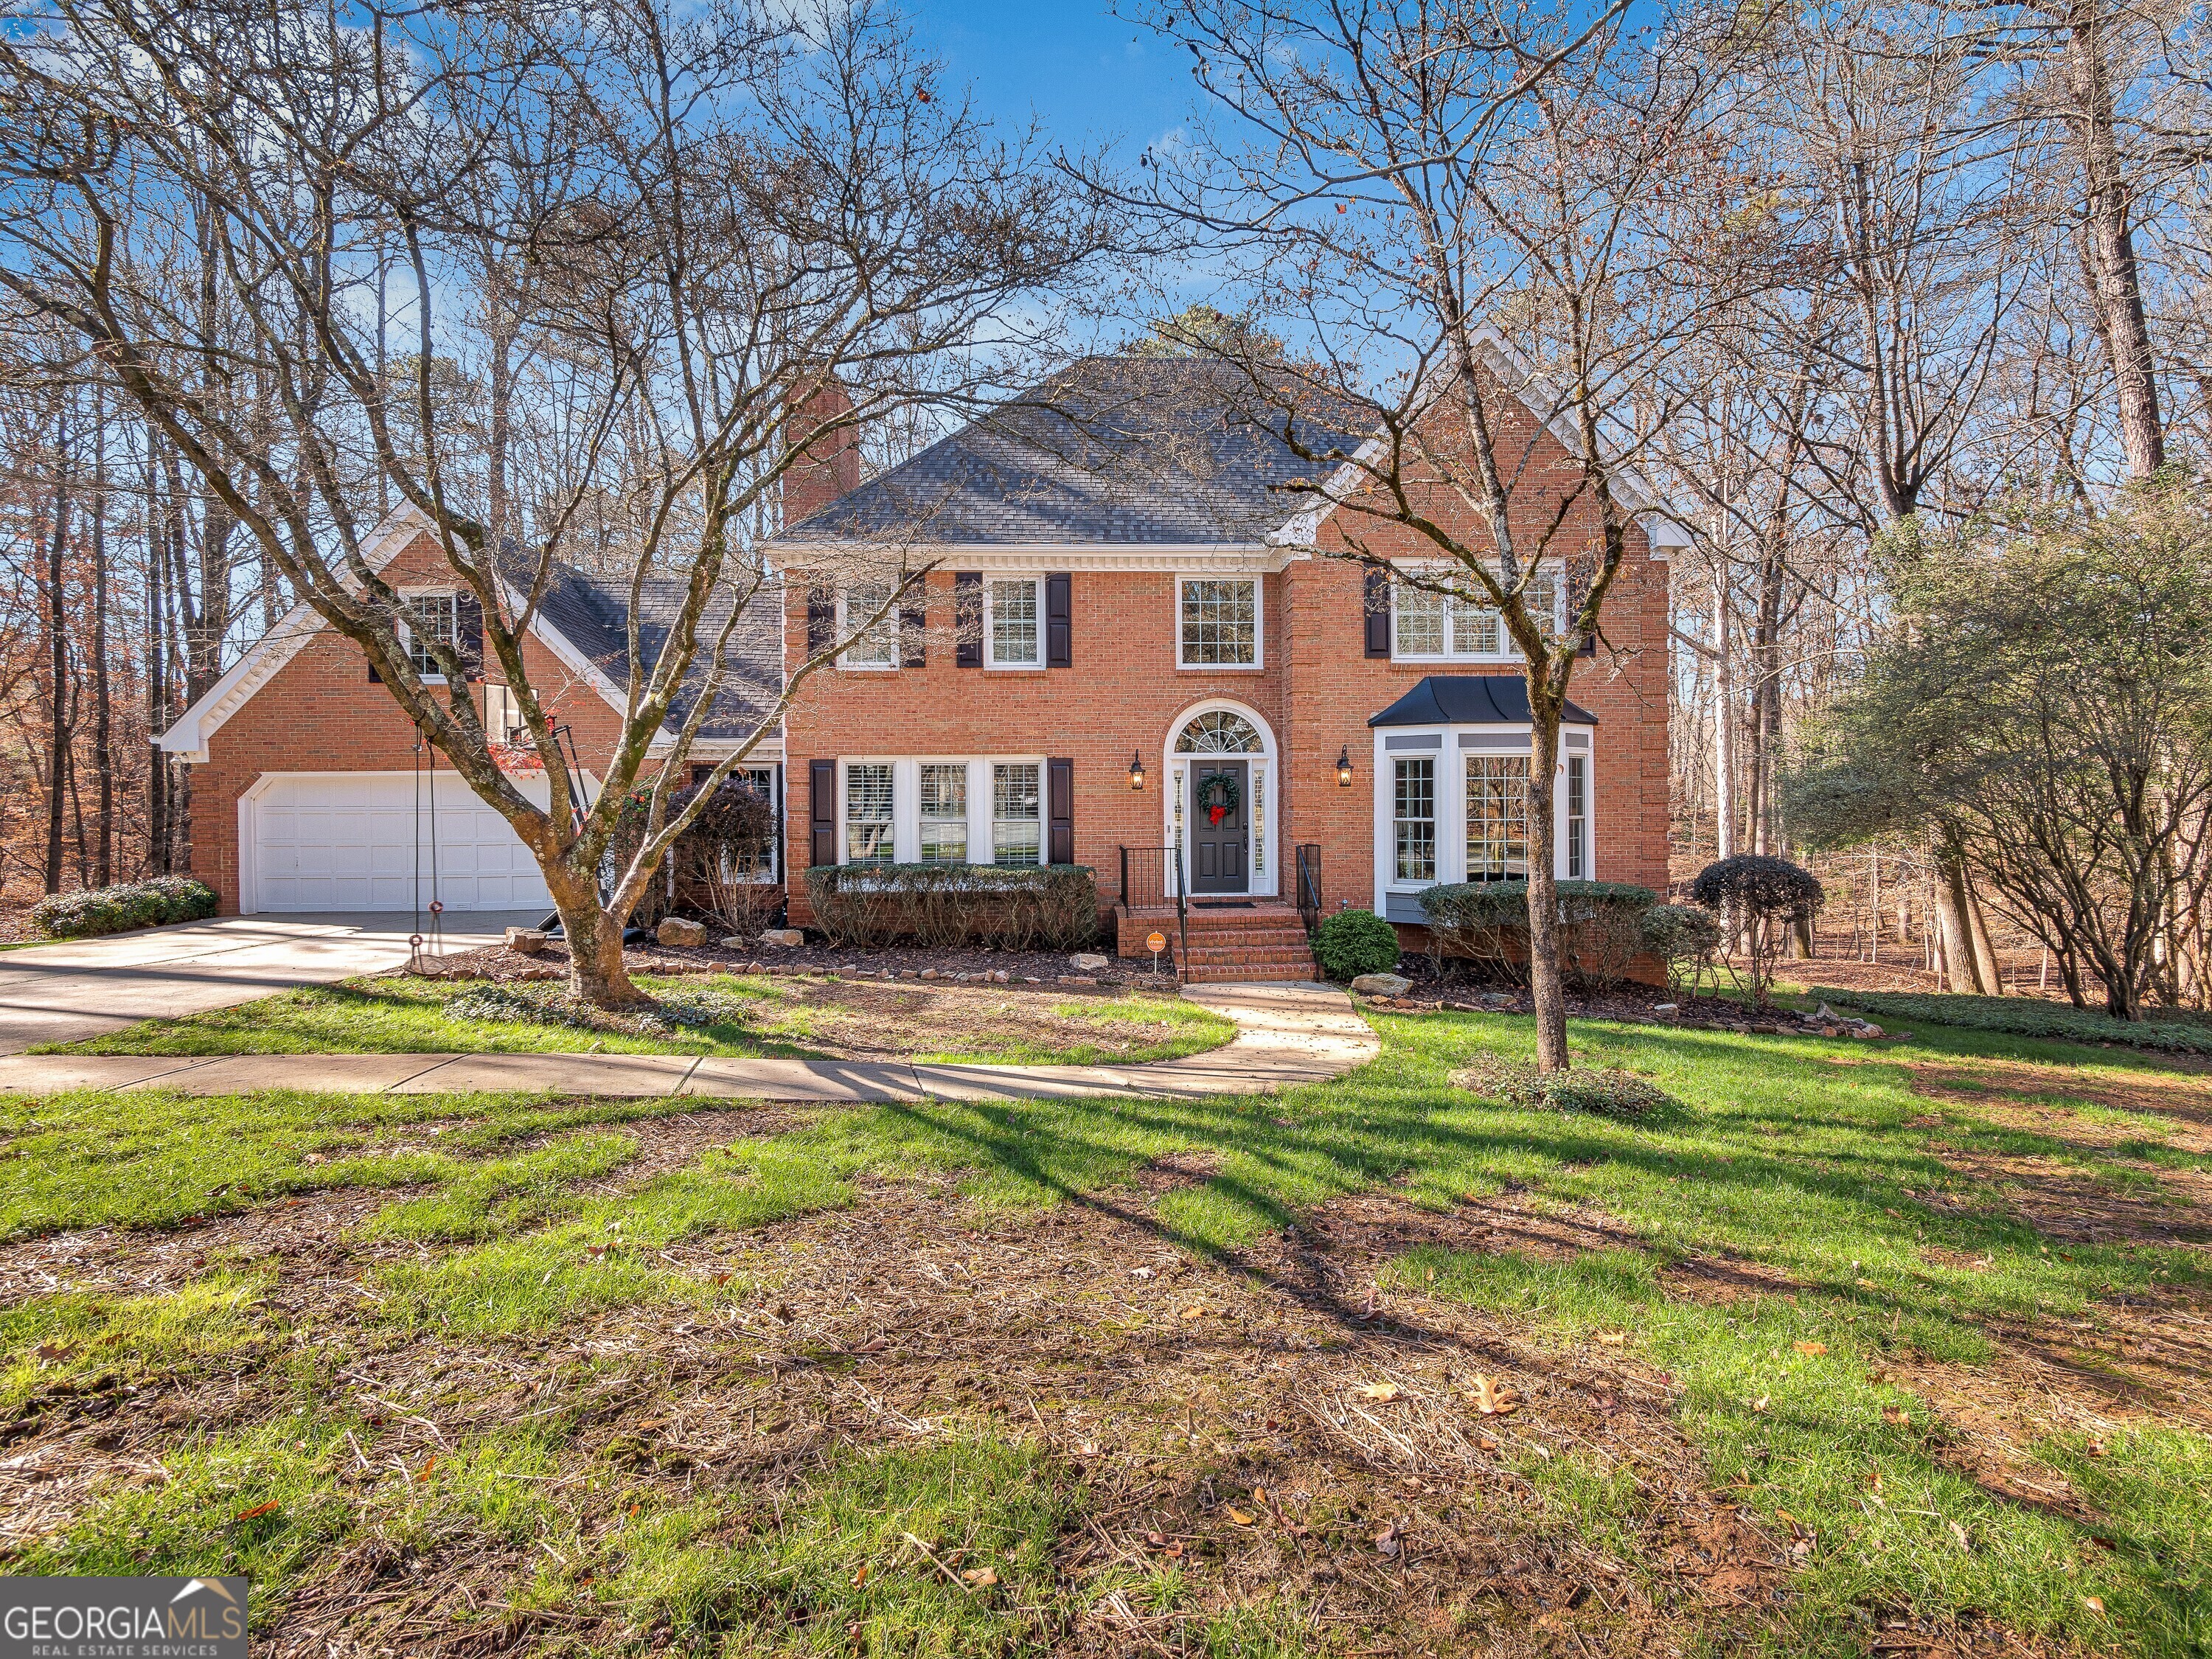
(1136, 770)
(1344, 767)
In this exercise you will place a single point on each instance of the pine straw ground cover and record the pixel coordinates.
(1787, 1370)
(749, 1015)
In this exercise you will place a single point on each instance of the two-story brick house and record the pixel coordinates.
(1136, 650)
(1133, 652)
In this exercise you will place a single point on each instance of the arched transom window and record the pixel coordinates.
(1218, 731)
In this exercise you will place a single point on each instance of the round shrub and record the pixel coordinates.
(1601, 1091)
(156, 902)
(1765, 897)
(1769, 889)
(1682, 936)
(1355, 942)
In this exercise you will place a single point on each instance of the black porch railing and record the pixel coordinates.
(1309, 885)
(1151, 879)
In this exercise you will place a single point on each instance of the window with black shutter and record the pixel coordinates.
(821, 618)
(1377, 609)
(822, 811)
(1060, 790)
(913, 629)
(968, 618)
(1059, 629)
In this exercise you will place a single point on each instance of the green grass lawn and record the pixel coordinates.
(1885, 1287)
(799, 1018)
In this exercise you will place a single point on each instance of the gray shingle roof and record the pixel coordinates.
(1114, 450)
(593, 614)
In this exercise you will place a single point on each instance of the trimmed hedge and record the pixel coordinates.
(1355, 942)
(154, 902)
(1488, 922)
(1026, 906)
(2028, 1017)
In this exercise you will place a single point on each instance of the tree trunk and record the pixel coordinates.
(56, 666)
(1547, 987)
(1724, 724)
(103, 732)
(1985, 953)
(2107, 246)
(1952, 912)
(597, 974)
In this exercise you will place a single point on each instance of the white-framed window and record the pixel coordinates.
(1218, 621)
(430, 615)
(502, 716)
(877, 647)
(1017, 813)
(1429, 627)
(1013, 622)
(1497, 817)
(759, 863)
(869, 818)
(1413, 817)
(945, 812)
(1578, 816)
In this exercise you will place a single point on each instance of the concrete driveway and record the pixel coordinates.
(60, 993)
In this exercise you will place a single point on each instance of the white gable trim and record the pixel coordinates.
(188, 738)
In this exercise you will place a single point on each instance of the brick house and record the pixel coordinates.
(1135, 653)
(310, 792)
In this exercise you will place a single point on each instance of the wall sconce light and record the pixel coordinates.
(1136, 770)
(1344, 767)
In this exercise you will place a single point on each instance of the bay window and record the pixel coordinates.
(1497, 817)
(1414, 818)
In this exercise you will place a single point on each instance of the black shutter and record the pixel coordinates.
(1059, 797)
(822, 811)
(968, 618)
(821, 618)
(1059, 630)
(1377, 606)
(913, 629)
(467, 635)
(375, 678)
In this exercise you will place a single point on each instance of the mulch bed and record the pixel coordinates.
(1055, 969)
(1457, 992)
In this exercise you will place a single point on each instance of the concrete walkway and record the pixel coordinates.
(83, 987)
(1286, 1034)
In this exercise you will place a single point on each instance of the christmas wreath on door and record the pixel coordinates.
(1218, 795)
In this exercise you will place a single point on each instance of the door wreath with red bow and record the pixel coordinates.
(1218, 795)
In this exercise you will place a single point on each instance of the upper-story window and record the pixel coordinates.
(1435, 627)
(1014, 626)
(877, 645)
(429, 617)
(1218, 621)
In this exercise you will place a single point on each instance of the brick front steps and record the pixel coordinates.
(1259, 940)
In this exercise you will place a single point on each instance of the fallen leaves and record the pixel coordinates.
(1196, 1310)
(1242, 1517)
(1386, 1541)
(1815, 1349)
(259, 1510)
(1611, 1339)
(982, 1577)
(57, 1352)
(1492, 1400)
(1384, 1392)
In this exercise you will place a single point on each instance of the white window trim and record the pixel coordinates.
(1451, 804)
(845, 659)
(1263, 882)
(906, 801)
(406, 632)
(1507, 653)
(1259, 628)
(991, 662)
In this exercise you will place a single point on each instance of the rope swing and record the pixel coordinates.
(436, 932)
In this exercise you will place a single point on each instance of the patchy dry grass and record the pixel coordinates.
(1787, 1371)
(791, 1017)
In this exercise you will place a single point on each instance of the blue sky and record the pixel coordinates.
(1087, 76)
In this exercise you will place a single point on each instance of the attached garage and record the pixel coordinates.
(373, 841)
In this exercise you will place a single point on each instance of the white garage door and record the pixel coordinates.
(352, 842)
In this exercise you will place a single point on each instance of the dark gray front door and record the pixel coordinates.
(1220, 853)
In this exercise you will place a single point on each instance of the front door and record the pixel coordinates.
(1220, 817)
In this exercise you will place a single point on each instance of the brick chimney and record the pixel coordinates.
(830, 468)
